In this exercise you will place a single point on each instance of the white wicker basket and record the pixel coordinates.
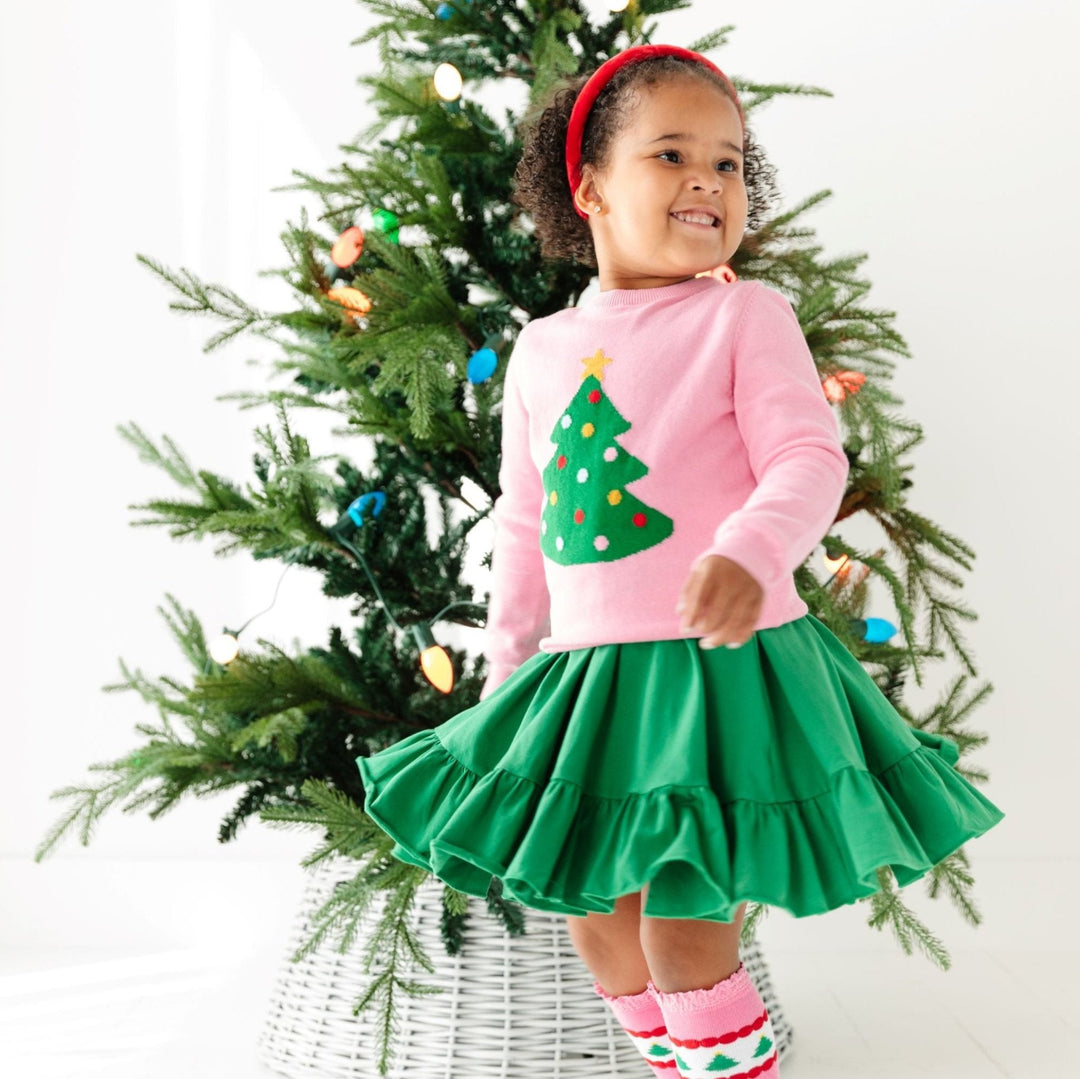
(512, 1007)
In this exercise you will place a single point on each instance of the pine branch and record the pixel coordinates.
(755, 913)
(952, 875)
(889, 910)
(199, 298)
(455, 916)
(349, 831)
(716, 39)
(393, 945)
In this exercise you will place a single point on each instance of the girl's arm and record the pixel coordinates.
(793, 442)
(519, 609)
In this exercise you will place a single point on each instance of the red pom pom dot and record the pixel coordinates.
(579, 516)
(594, 397)
(561, 463)
(640, 520)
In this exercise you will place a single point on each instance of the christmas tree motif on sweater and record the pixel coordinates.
(589, 516)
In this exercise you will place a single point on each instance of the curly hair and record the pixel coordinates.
(540, 184)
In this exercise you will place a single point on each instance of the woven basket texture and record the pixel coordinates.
(512, 1007)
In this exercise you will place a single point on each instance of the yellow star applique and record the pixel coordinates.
(594, 365)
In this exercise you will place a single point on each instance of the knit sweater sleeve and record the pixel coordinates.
(792, 441)
(519, 607)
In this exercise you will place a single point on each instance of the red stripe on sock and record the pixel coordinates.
(670, 1063)
(647, 1033)
(723, 1039)
(756, 1071)
(760, 1069)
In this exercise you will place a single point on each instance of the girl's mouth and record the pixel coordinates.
(697, 217)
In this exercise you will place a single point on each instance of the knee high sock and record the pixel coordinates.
(723, 1032)
(640, 1016)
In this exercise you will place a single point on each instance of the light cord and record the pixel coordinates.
(371, 577)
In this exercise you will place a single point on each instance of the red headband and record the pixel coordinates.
(600, 78)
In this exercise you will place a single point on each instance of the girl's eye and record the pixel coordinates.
(727, 165)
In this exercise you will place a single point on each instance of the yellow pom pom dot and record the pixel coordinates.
(588, 431)
(554, 498)
(614, 497)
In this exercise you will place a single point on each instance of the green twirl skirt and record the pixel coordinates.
(776, 772)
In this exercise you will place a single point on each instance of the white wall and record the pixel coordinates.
(161, 129)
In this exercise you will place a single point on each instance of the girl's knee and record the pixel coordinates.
(622, 922)
(689, 934)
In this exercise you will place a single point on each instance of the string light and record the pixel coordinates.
(348, 247)
(225, 647)
(434, 660)
(871, 630)
(387, 222)
(615, 6)
(837, 565)
(483, 362)
(874, 630)
(448, 82)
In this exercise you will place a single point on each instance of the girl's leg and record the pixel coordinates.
(688, 953)
(716, 1020)
(610, 946)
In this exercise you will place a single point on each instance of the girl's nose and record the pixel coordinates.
(706, 181)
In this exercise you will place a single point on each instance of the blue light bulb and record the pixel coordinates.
(873, 630)
(355, 512)
(482, 364)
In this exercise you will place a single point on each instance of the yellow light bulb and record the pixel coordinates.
(618, 5)
(437, 668)
(448, 82)
(224, 649)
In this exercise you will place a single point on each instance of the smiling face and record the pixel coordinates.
(671, 196)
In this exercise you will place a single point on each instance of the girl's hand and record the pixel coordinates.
(721, 601)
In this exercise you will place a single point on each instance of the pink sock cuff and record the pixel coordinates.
(629, 998)
(637, 1012)
(732, 988)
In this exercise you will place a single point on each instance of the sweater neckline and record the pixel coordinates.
(634, 297)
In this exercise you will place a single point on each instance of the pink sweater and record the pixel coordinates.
(642, 431)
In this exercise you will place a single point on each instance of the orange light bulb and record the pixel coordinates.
(834, 565)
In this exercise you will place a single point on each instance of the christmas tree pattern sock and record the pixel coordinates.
(640, 1016)
(723, 1032)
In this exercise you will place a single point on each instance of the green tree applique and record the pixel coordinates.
(589, 516)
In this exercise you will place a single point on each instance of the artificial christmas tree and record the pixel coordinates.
(419, 263)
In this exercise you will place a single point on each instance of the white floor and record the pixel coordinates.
(75, 1012)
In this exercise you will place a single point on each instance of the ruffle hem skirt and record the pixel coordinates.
(777, 772)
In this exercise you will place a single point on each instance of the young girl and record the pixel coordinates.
(669, 459)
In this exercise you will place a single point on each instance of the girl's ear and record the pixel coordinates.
(587, 198)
